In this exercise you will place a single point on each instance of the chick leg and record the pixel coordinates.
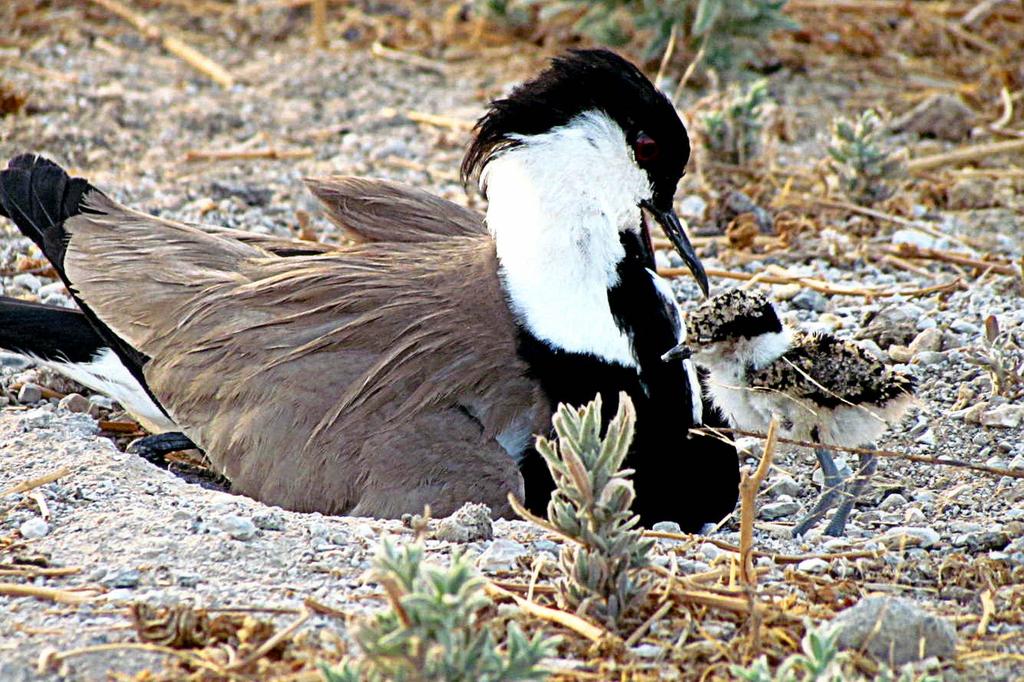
(830, 492)
(868, 465)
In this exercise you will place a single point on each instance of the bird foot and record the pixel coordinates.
(833, 488)
(155, 448)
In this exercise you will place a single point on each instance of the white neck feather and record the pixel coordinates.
(557, 203)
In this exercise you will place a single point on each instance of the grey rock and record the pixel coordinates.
(73, 402)
(784, 485)
(895, 324)
(709, 551)
(983, 541)
(469, 523)
(810, 300)
(501, 555)
(930, 339)
(943, 115)
(39, 418)
(189, 579)
(1006, 416)
(693, 206)
(893, 502)
(270, 520)
(911, 536)
(913, 515)
(124, 579)
(546, 546)
(26, 281)
(34, 528)
(667, 527)
(929, 357)
(784, 506)
(238, 527)
(51, 289)
(895, 631)
(965, 327)
(898, 353)
(30, 393)
(648, 651)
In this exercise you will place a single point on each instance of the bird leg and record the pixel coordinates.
(830, 492)
(154, 449)
(868, 465)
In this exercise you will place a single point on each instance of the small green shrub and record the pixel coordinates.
(819, 660)
(433, 630)
(734, 133)
(592, 504)
(866, 168)
(730, 30)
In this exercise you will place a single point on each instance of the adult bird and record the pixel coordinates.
(374, 378)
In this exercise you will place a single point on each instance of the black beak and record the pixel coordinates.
(669, 222)
(680, 352)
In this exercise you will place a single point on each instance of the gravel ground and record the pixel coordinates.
(127, 115)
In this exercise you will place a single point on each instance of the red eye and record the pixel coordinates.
(645, 148)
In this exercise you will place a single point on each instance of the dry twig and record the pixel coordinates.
(748, 505)
(44, 593)
(179, 48)
(964, 154)
(920, 459)
(32, 483)
(246, 154)
(821, 286)
(569, 620)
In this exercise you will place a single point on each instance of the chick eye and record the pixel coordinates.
(645, 148)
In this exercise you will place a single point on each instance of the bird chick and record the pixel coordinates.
(822, 388)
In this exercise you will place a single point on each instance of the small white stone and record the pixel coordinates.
(27, 281)
(501, 555)
(893, 502)
(913, 238)
(913, 515)
(929, 339)
(34, 528)
(693, 206)
(911, 536)
(238, 527)
(51, 289)
(900, 354)
(1006, 416)
(709, 551)
(815, 566)
(30, 393)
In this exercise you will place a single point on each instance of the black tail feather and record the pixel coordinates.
(38, 195)
(47, 332)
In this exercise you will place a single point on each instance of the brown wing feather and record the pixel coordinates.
(371, 210)
(322, 382)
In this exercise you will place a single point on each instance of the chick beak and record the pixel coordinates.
(669, 222)
(680, 352)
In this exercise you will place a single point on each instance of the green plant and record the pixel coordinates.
(592, 505)
(1001, 353)
(434, 631)
(734, 132)
(866, 168)
(729, 29)
(819, 660)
